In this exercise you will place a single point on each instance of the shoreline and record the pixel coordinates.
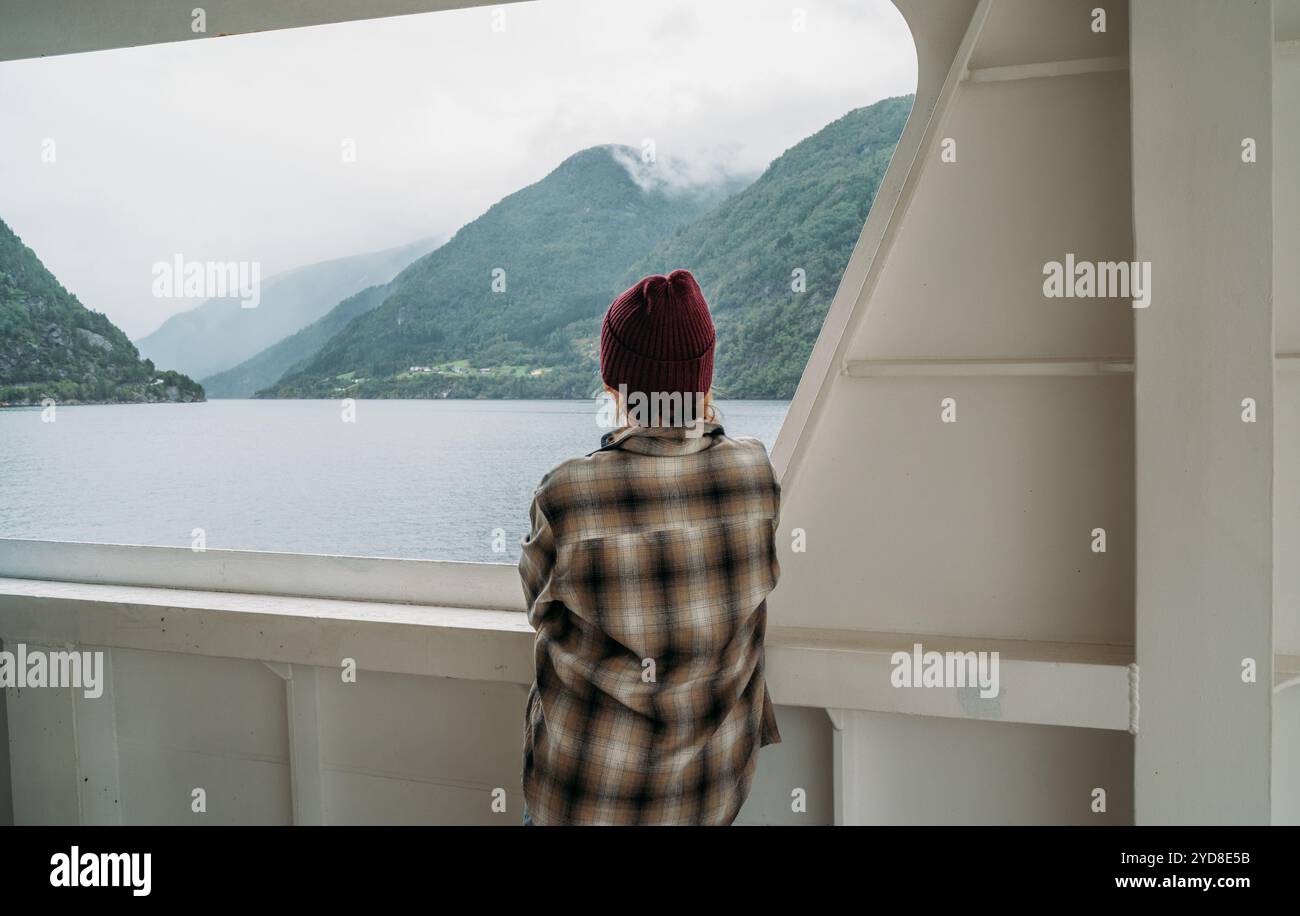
(4, 407)
(57, 403)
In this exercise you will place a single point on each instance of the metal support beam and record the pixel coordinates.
(1204, 409)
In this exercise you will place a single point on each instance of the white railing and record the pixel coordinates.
(226, 673)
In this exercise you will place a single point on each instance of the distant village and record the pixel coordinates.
(463, 369)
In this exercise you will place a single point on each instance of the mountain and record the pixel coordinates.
(804, 213)
(486, 314)
(575, 240)
(53, 346)
(220, 333)
(267, 367)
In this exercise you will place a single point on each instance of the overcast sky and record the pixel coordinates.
(231, 148)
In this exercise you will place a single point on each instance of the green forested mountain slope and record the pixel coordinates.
(53, 346)
(500, 294)
(573, 241)
(804, 213)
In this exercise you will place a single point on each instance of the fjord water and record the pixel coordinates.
(445, 480)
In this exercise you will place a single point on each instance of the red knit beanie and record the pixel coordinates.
(658, 337)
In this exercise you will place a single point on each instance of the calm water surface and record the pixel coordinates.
(430, 479)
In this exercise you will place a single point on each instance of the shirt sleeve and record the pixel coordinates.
(776, 523)
(537, 563)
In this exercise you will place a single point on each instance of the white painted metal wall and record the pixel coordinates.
(982, 527)
(282, 744)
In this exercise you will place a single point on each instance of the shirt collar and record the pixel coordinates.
(661, 440)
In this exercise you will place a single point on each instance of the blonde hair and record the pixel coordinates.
(709, 412)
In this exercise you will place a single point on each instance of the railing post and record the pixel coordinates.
(302, 703)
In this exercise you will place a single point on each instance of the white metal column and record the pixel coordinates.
(1201, 74)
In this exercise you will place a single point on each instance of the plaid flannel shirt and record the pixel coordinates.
(646, 574)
